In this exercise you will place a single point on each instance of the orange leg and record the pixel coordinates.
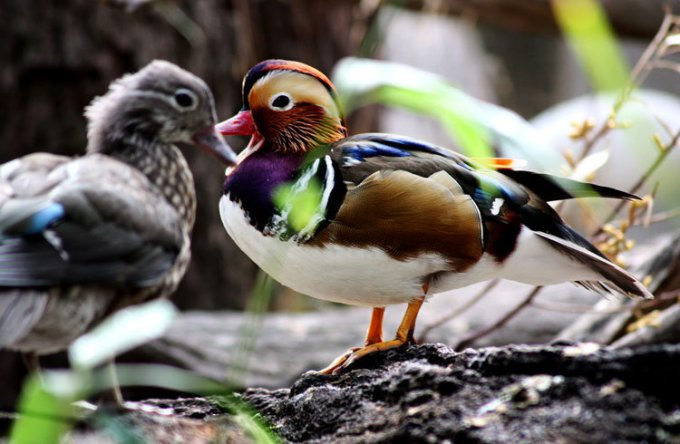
(373, 335)
(404, 335)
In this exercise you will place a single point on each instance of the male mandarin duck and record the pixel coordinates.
(396, 219)
(83, 237)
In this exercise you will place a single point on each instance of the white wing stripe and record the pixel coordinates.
(328, 185)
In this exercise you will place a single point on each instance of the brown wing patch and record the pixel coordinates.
(444, 179)
(407, 215)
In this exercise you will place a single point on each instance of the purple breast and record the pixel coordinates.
(253, 182)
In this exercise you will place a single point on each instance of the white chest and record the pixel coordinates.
(356, 276)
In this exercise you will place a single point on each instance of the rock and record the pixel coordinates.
(182, 420)
(428, 393)
(566, 393)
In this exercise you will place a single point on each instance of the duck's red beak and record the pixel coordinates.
(239, 125)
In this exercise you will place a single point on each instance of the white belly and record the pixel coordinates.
(355, 276)
(370, 277)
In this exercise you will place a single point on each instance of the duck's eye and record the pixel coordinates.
(185, 99)
(281, 102)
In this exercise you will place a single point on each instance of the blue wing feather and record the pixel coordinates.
(362, 152)
(27, 217)
(361, 147)
(42, 219)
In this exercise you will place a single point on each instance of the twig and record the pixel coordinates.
(642, 68)
(667, 64)
(659, 160)
(458, 310)
(572, 308)
(656, 218)
(469, 339)
(639, 73)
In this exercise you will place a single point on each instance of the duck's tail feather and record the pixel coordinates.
(614, 278)
(551, 188)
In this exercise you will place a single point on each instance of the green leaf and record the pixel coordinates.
(249, 419)
(47, 412)
(122, 331)
(474, 124)
(299, 207)
(44, 416)
(585, 26)
(163, 376)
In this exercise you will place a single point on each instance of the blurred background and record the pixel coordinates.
(55, 56)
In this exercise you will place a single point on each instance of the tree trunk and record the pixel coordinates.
(56, 56)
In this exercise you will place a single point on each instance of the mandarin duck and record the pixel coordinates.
(396, 220)
(83, 237)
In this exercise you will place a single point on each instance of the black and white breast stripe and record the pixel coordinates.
(324, 173)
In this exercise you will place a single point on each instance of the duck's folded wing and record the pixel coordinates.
(99, 223)
(507, 200)
(361, 155)
(408, 216)
(20, 310)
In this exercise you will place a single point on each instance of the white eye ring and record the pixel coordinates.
(185, 99)
(285, 102)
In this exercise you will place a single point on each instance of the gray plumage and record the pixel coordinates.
(81, 238)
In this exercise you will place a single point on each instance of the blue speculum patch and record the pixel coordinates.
(42, 219)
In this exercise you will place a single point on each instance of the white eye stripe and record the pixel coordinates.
(281, 102)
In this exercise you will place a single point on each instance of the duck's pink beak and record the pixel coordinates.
(239, 125)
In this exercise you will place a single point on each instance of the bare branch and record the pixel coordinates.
(659, 160)
(457, 311)
(469, 339)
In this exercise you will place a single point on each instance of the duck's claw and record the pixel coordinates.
(338, 363)
(404, 336)
(360, 352)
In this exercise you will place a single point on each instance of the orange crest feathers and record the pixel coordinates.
(261, 69)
